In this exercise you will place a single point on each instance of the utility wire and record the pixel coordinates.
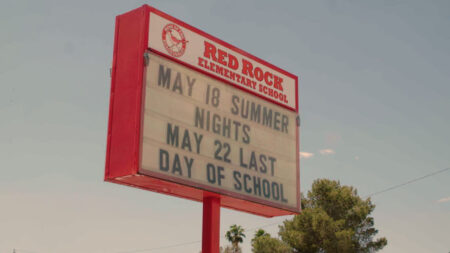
(275, 223)
(188, 243)
(407, 182)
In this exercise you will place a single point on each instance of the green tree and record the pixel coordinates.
(235, 235)
(263, 243)
(260, 232)
(334, 219)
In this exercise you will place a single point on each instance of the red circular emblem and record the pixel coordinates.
(174, 40)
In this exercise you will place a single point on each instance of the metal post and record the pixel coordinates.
(211, 224)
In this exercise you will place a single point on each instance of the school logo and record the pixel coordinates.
(174, 40)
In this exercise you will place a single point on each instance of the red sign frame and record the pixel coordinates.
(124, 127)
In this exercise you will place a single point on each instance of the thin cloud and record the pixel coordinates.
(327, 151)
(306, 155)
(443, 200)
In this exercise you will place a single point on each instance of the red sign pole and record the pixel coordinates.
(211, 224)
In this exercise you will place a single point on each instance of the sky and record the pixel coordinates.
(374, 102)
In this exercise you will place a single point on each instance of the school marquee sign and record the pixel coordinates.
(192, 115)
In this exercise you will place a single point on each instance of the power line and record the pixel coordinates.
(406, 183)
(188, 243)
(276, 223)
(271, 224)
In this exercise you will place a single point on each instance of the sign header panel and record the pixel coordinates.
(201, 132)
(184, 43)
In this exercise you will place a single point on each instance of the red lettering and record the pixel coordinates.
(200, 62)
(226, 73)
(219, 70)
(277, 83)
(243, 80)
(210, 51)
(258, 74)
(247, 68)
(268, 78)
(232, 62)
(275, 94)
(221, 59)
(224, 58)
(232, 76)
(249, 83)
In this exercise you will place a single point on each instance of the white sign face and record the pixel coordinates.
(208, 54)
(204, 133)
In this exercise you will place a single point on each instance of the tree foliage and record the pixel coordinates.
(334, 219)
(235, 235)
(263, 243)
